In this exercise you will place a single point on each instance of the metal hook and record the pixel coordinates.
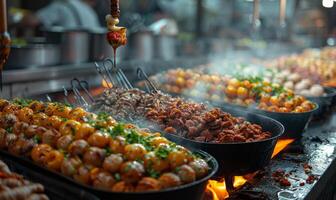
(149, 84)
(83, 85)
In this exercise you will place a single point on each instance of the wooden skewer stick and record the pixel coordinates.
(115, 11)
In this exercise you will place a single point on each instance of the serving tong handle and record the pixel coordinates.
(150, 87)
(76, 86)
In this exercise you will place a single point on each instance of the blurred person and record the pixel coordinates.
(69, 14)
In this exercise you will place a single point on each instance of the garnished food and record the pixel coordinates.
(14, 186)
(245, 91)
(94, 149)
(188, 119)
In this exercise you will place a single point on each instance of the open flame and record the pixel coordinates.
(106, 84)
(218, 188)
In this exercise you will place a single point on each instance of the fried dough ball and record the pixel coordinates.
(78, 147)
(77, 114)
(62, 111)
(186, 174)
(64, 142)
(117, 145)
(122, 186)
(168, 180)
(54, 122)
(40, 119)
(99, 139)
(40, 152)
(3, 104)
(33, 130)
(70, 165)
(94, 156)
(132, 171)
(104, 180)
(7, 140)
(134, 151)
(20, 128)
(156, 141)
(85, 131)
(151, 161)
(21, 147)
(113, 162)
(177, 158)
(8, 120)
(53, 160)
(50, 137)
(200, 167)
(37, 106)
(25, 114)
(11, 109)
(69, 127)
(148, 184)
(83, 174)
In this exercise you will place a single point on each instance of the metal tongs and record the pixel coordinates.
(110, 73)
(77, 86)
(150, 87)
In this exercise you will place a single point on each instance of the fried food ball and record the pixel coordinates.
(20, 128)
(156, 141)
(94, 156)
(168, 180)
(3, 104)
(113, 162)
(99, 139)
(117, 145)
(25, 114)
(186, 174)
(21, 147)
(62, 111)
(54, 122)
(53, 160)
(83, 174)
(134, 151)
(148, 184)
(77, 114)
(70, 165)
(50, 137)
(78, 147)
(37, 106)
(11, 109)
(132, 171)
(33, 130)
(69, 127)
(40, 119)
(8, 120)
(64, 142)
(50, 109)
(151, 161)
(84, 132)
(122, 186)
(40, 152)
(177, 158)
(200, 167)
(104, 180)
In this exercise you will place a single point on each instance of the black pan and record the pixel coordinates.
(69, 186)
(244, 157)
(325, 102)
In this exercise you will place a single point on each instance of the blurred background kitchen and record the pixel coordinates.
(54, 41)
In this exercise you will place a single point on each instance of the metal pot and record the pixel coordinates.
(101, 49)
(34, 54)
(165, 47)
(74, 44)
(141, 45)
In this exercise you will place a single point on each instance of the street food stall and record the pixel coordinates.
(140, 99)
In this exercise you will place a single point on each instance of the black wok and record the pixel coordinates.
(70, 189)
(324, 102)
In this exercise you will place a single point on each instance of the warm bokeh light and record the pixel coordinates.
(106, 84)
(281, 145)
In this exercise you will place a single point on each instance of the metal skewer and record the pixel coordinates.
(84, 86)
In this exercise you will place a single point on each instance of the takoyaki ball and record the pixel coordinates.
(21, 147)
(25, 114)
(84, 131)
(77, 114)
(3, 104)
(78, 147)
(94, 156)
(200, 167)
(8, 120)
(54, 122)
(83, 174)
(186, 173)
(70, 165)
(134, 151)
(37, 106)
(113, 162)
(177, 158)
(156, 141)
(40, 152)
(99, 139)
(9, 140)
(117, 144)
(50, 137)
(54, 160)
(20, 128)
(11, 109)
(64, 142)
(151, 161)
(69, 127)
(148, 184)
(104, 180)
(132, 171)
(122, 186)
(50, 109)
(62, 111)
(189, 156)
(40, 119)
(168, 180)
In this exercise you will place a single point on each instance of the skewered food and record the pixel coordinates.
(94, 149)
(177, 116)
(242, 91)
(13, 186)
